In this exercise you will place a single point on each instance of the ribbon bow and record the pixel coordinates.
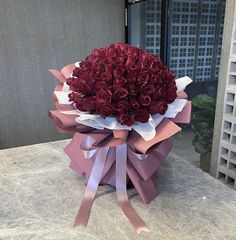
(89, 150)
(128, 151)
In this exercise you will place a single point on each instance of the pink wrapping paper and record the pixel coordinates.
(142, 160)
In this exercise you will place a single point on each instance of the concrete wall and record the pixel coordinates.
(39, 34)
(222, 83)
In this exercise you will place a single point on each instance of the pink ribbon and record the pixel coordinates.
(121, 166)
(91, 189)
(88, 149)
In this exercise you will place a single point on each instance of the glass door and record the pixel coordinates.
(144, 25)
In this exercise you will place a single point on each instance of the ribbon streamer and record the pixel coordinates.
(121, 167)
(95, 177)
(91, 189)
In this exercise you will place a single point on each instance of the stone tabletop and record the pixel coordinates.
(40, 196)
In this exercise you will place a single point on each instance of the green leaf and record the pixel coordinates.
(204, 101)
(199, 128)
(204, 115)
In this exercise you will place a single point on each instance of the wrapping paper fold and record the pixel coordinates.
(115, 156)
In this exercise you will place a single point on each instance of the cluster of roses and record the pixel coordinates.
(122, 81)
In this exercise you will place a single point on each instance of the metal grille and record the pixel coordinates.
(183, 37)
(196, 38)
(196, 28)
(153, 26)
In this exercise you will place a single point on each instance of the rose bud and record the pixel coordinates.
(126, 119)
(103, 96)
(159, 93)
(122, 106)
(148, 89)
(133, 90)
(105, 76)
(106, 110)
(134, 104)
(121, 93)
(119, 71)
(144, 100)
(72, 96)
(141, 115)
(159, 106)
(120, 81)
(142, 79)
(77, 72)
(100, 85)
(89, 104)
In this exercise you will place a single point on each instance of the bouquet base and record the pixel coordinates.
(142, 174)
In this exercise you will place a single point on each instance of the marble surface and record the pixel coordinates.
(40, 196)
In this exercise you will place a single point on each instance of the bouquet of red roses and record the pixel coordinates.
(124, 82)
(122, 103)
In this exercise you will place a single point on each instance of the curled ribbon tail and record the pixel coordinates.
(91, 188)
(121, 191)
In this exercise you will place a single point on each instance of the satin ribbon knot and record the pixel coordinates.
(89, 149)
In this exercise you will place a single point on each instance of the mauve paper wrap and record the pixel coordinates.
(140, 160)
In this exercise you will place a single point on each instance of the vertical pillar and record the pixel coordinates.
(223, 162)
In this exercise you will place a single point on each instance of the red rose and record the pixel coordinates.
(134, 67)
(77, 72)
(86, 65)
(133, 90)
(141, 115)
(148, 89)
(96, 70)
(119, 62)
(105, 76)
(119, 71)
(70, 81)
(121, 93)
(157, 79)
(86, 104)
(171, 94)
(100, 85)
(158, 107)
(132, 57)
(108, 66)
(103, 96)
(159, 93)
(79, 104)
(81, 87)
(142, 79)
(155, 65)
(106, 110)
(144, 100)
(122, 106)
(72, 96)
(120, 81)
(134, 104)
(126, 119)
